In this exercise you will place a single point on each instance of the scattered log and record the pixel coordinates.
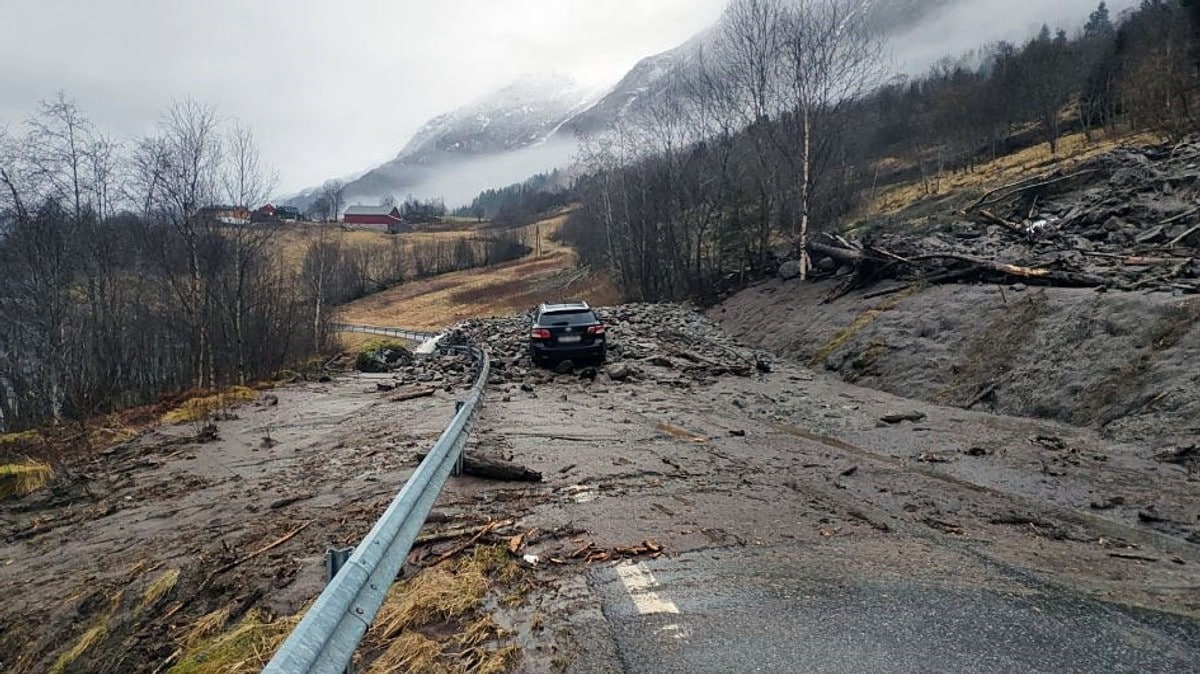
(446, 535)
(1137, 558)
(1180, 239)
(1182, 216)
(495, 469)
(844, 255)
(483, 531)
(997, 220)
(264, 549)
(411, 395)
(1022, 186)
(1065, 278)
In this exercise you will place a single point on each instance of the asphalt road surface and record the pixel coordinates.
(805, 608)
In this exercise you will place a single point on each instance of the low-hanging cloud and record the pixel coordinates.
(968, 24)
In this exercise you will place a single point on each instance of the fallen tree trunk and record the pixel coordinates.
(1065, 278)
(412, 395)
(495, 469)
(840, 254)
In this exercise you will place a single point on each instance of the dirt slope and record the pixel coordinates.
(1125, 363)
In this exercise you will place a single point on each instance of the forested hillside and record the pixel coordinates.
(796, 121)
(122, 280)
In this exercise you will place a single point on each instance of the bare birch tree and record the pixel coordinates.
(186, 156)
(832, 58)
(247, 184)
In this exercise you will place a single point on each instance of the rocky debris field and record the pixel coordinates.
(669, 343)
(1125, 220)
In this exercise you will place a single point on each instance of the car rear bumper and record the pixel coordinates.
(564, 351)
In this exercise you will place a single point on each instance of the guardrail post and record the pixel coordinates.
(335, 559)
(458, 463)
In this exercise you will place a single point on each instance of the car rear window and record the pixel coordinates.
(583, 317)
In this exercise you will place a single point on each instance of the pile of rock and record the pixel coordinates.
(1127, 220)
(442, 370)
(664, 342)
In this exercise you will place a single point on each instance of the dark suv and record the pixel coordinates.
(567, 331)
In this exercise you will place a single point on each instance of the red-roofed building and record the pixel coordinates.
(375, 217)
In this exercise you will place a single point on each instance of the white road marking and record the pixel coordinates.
(641, 585)
(675, 632)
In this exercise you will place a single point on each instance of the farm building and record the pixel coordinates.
(383, 218)
(263, 214)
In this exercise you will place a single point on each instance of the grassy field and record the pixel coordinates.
(496, 290)
(293, 239)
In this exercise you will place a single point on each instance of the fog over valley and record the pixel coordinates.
(366, 92)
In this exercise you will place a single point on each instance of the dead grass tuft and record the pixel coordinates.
(204, 628)
(245, 648)
(412, 652)
(89, 638)
(21, 479)
(15, 438)
(198, 409)
(445, 600)
(435, 595)
(158, 589)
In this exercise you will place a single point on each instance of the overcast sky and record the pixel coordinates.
(333, 87)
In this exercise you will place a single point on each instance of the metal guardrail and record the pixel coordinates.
(411, 335)
(329, 633)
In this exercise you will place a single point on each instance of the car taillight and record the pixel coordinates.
(540, 333)
(596, 330)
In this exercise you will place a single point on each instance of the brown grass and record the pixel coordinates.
(89, 638)
(198, 409)
(435, 622)
(245, 648)
(204, 628)
(159, 588)
(293, 239)
(24, 478)
(500, 289)
(1073, 150)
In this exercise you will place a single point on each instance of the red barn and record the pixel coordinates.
(387, 216)
(264, 214)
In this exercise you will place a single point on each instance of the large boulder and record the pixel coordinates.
(789, 270)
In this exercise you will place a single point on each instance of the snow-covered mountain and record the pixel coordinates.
(531, 125)
(505, 136)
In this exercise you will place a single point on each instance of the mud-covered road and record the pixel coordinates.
(711, 508)
(909, 536)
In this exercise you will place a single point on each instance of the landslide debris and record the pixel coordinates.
(671, 343)
(1127, 220)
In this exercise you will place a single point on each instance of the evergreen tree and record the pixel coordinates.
(1099, 22)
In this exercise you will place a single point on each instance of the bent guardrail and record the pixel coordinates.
(329, 633)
